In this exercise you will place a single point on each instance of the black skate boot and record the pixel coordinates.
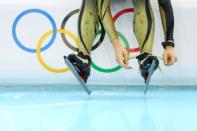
(147, 67)
(82, 64)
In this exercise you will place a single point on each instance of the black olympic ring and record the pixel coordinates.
(65, 40)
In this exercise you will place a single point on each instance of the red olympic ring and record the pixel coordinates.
(115, 18)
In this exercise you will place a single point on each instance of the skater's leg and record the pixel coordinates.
(144, 28)
(106, 18)
(87, 29)
(144, 25)
(87, 25)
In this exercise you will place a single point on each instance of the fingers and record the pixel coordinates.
(122, 57)
(121, 63)
(173, 60)
(169, 60)
(126, 57)
(169, 57)
(132, 57)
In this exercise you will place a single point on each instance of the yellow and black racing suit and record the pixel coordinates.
(94, 12)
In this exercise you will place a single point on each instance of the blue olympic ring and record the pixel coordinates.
(39, 11)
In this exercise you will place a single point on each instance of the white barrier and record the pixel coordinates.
(20, 66)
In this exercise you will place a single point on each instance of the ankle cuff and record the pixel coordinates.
(81, 55)
(142, 56)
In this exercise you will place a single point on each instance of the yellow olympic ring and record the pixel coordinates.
(40, 42)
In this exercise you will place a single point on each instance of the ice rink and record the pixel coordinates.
(109, 108)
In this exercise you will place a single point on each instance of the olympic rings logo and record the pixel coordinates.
(64, 34)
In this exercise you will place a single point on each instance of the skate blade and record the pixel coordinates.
(149, 77)
(75, 73)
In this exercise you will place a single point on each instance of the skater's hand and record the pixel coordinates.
(169, 56)
(122, 55)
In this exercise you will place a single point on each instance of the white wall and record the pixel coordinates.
(20, 66)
